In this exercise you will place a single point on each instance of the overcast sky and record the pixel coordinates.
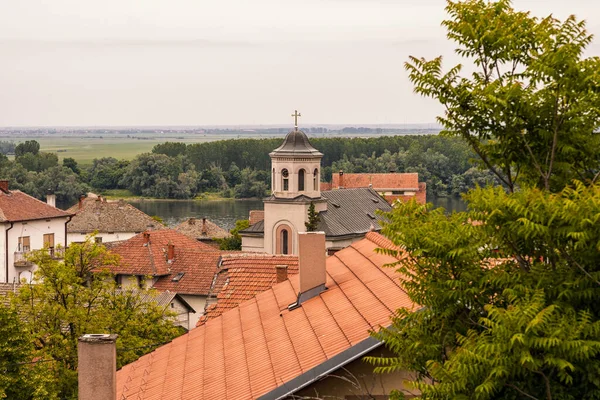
(225, 62)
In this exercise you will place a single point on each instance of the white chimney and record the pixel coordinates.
(311, 264)
(97, 367)
(51, 199)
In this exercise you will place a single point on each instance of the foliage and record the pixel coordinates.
(507, 292)
(37, 162)
(70, 163)
(509, 304)
(106, 172)
(530, 112)
(29, 146)
(71, 300)
(234, 242)
(313, 219)
(7, 147)
(171, 149)
(252, 184)
(158, 175)
(19, 379)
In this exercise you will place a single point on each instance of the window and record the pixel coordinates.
(284, 241)
(24, 244)
(49, 243)
(301, 174)
(286, 183)
(273, 181)
(98, 239)
(316, 179)
(49, 240)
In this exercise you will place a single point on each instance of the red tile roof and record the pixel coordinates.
(243, 276)
(392, 180)
(18, 206)
(197, 261)
(260, 345)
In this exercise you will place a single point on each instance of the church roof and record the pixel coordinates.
(296, 143)
(350, 212)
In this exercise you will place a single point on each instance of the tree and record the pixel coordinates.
(313, 219)
(77, 296)
(530, 111)
(70, 163)
(29, 146)
(507, 292)
(234, 242)
(171, 149)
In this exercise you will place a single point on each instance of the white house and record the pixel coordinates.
(27, 224)
(112, 220)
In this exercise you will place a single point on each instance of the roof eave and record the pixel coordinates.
(323, 369)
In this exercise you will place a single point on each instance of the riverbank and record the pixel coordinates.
(124, 194)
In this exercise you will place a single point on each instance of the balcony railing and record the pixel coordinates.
(21, 257)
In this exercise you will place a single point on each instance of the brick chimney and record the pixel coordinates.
(170, 252)
(51, 198)
(4, 186)
(341, 180)
(146, 237)
(311, 265)
(282, 273)
(81, 199)
(97, 367)
(204, 231)
(192, 221)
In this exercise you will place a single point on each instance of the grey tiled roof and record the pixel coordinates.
(349, 212)
(352, 211)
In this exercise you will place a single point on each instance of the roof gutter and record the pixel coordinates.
(322, 370)
(6, 246)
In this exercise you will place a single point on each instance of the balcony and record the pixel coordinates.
(21, 260)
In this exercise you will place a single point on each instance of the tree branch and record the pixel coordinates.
(510, 385)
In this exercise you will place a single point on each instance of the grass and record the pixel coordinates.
(111, 194)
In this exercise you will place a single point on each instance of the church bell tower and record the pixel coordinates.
(295, 183)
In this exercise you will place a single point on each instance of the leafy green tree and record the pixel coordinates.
(313, 219)
(234, 242)
(76, 296)
(530, 112)
(60, 180)
(37, 162)
(171, 149)
(20, 378)
(7, 147)
(251, 185)
(507, 292)
(106, 172)
(29, 146)
(70, 163)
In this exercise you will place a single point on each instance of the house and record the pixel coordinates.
(172, 302)
(393, 186)
(28, 224)
(167, 260)
(345, 215)
(242, 276)
(297, 338)
(112, 220)
(203, 230)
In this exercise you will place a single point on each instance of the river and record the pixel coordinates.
(225, 212)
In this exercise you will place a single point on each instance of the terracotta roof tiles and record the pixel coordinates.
(392, 180)
(18, 206)
(259, 345)
(196, 261)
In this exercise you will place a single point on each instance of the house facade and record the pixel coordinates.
(111, 220)
(345, 215)
(28, 224)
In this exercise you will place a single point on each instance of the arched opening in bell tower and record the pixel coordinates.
(301, 178)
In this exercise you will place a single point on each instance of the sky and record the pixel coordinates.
(226, 62)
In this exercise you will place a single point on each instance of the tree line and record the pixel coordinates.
(240, 168)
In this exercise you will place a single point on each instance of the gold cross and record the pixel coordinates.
(296, 114)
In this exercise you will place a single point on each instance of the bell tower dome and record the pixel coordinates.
(296, 167)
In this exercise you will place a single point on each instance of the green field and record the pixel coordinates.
(85, 149)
